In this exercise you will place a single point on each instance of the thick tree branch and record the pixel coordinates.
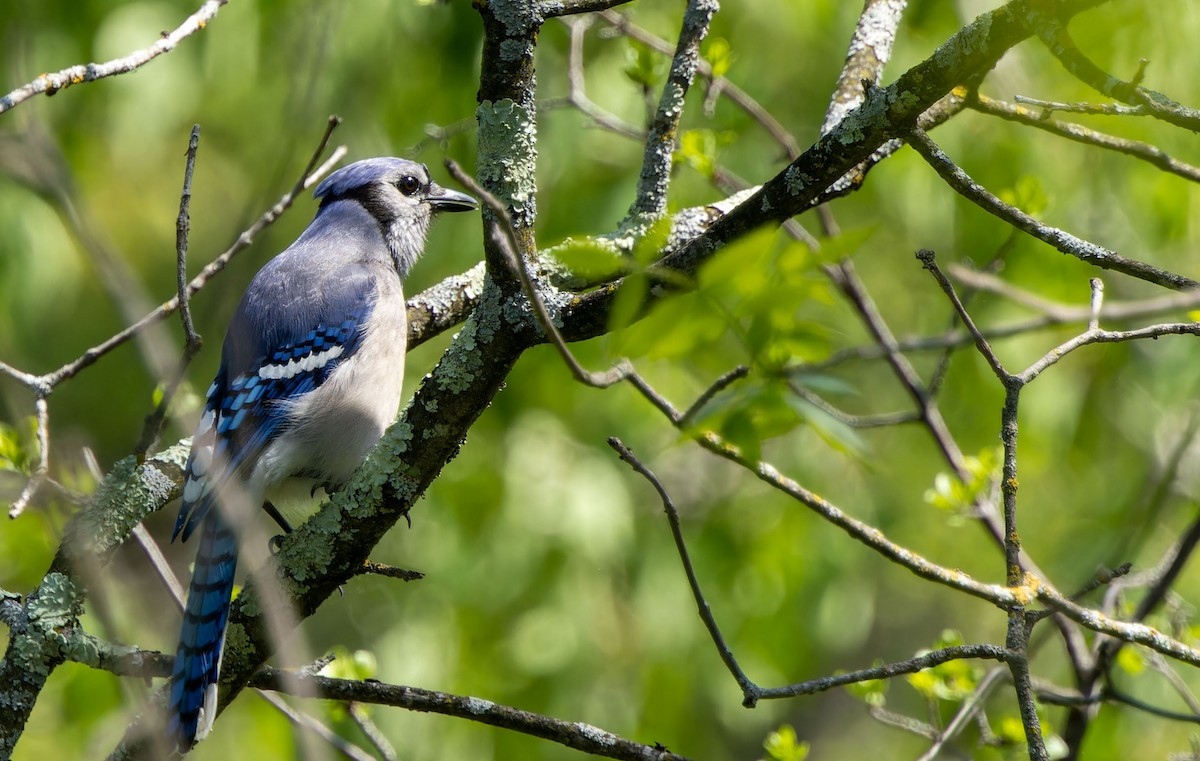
(886, 113)
(46, 630)
(572, 734)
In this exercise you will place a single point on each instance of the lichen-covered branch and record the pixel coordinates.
(870, 50)
(885, 114)
(44, 629)
(651, 200)
(572, 734)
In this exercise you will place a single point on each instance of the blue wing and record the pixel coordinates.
(245, 408)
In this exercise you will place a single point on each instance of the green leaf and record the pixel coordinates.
(698, 149)
(782, 745)
(156, 396)
(1010, 731)
(873, 692)
(631, 296)
(951, 493)
(645, 66)
(649, 247)
(832, 431)
(1028, 195)
(719, 54)
(357, 665)
(845, 244)
(1130, 660)
(953, 680)
(591, 260)
(18, 445)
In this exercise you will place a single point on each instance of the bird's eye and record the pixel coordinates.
(408, 184)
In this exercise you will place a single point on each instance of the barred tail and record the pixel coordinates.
(193, 700)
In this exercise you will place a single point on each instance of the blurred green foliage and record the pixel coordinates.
(552, 581)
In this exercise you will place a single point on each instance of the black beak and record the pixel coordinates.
(442, 199)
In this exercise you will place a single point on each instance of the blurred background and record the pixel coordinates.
(552, 581)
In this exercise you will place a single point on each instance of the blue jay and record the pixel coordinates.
(309, 379)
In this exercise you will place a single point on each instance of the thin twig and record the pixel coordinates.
(182, 228)
(890, 670)
(358, 714)
(1102, 109)
(52, 83)
(159, 563)
(719, 385)
(505, 238)
(751, 691)
(729, 89)
(304, 721)
(929, 262)
(1057, 38)
(577, 91)
(1065, 242)
(846, 278)
(969, 708)
(42, 469)
(192, 341)
(1019, 114)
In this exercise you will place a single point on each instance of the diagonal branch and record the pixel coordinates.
(59, 80)
(1057, 39)
(1063, 241)
(885, 114)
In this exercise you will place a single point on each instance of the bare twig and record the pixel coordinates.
(358, 714)
(52, 83)
(729, 89)
(845, 277)
(751, 691)
(158, 561)
(889, 670)
(1102, 109)
(304, 721)
(1065, 242)
(505, 238)
(42, 470)
(1054, 35)
(967, 711)
(182, 227)
(577, 92)
(192, 340)
(929, 262)
(1151, 154)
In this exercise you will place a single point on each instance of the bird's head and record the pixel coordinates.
(401, 197)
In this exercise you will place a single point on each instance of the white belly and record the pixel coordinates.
(331, 429)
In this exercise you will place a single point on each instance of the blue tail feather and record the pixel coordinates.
(198, 657)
